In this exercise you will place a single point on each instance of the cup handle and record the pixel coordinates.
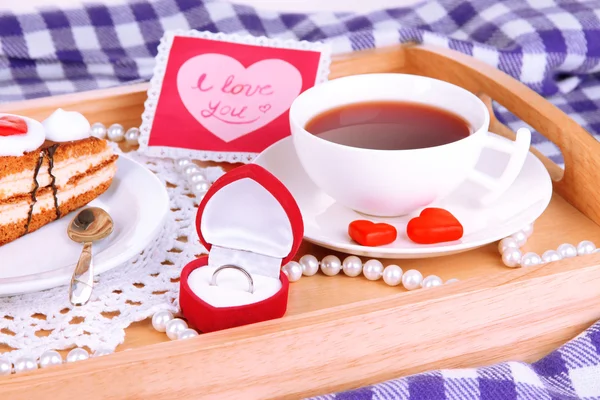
(518, 151)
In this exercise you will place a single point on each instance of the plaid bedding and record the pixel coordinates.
(553, 46)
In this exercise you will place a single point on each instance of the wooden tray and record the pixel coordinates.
(342, 333)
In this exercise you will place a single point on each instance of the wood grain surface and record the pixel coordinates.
(340, 332)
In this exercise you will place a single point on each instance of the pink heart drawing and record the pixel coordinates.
(264, 108)
(230, 100)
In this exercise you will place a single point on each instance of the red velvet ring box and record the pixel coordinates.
(248, 218)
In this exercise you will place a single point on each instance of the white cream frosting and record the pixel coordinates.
(66, 126)
(17, 145)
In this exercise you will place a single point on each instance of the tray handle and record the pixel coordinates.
(581, 151)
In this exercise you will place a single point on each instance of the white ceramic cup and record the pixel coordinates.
(388, 183)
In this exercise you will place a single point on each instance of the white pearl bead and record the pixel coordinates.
(98, 130)
(432, 281)
(550, 256)
(528, 230)
(174, 327)
(102, 352)
(310, 264)
(352, 266)
(520, 237)
(116, 133)
(373, 270)
(392, 275)
(160, 319)
(585, 247)
(412, 279)
(132, 136)
(191, 169)
(77, 354)
(181, 163)
(197, 178)
(530, 259)
(452, 280)
(331, 265)
(512, 257)
(5, 367)
(25, 364)
(293, 270)
(507, 243)
(187, 334)
(50, 358)
(200, 187)
(567, 250)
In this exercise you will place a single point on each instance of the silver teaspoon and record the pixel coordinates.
(89, 225)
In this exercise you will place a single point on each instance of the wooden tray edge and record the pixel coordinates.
(317, 352)
(248, 361)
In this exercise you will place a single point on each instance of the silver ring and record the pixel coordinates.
(213, 281)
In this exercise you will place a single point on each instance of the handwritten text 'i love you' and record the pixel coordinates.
(230, 100)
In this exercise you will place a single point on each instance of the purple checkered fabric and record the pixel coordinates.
(553, 46)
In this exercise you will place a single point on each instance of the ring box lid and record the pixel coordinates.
(250, 219)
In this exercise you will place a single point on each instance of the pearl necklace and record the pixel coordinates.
(48, 358)
(116, 133)
(352, 266)
(162, 321)
(513, 257)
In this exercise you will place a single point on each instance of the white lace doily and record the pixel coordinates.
(36, 322)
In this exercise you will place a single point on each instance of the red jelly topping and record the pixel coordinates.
(12, 125)
(368, 233)
(434, 225)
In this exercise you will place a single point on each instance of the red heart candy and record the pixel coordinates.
(368, 233)
(434, 225)
(11, 125)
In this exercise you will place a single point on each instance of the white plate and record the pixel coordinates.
(326, 222)
(138, 203)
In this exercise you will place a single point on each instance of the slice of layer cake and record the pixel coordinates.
(48, 170)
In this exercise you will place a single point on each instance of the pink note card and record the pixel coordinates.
(226, 97)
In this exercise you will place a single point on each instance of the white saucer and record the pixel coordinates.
(326, 222)
(138, 203)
